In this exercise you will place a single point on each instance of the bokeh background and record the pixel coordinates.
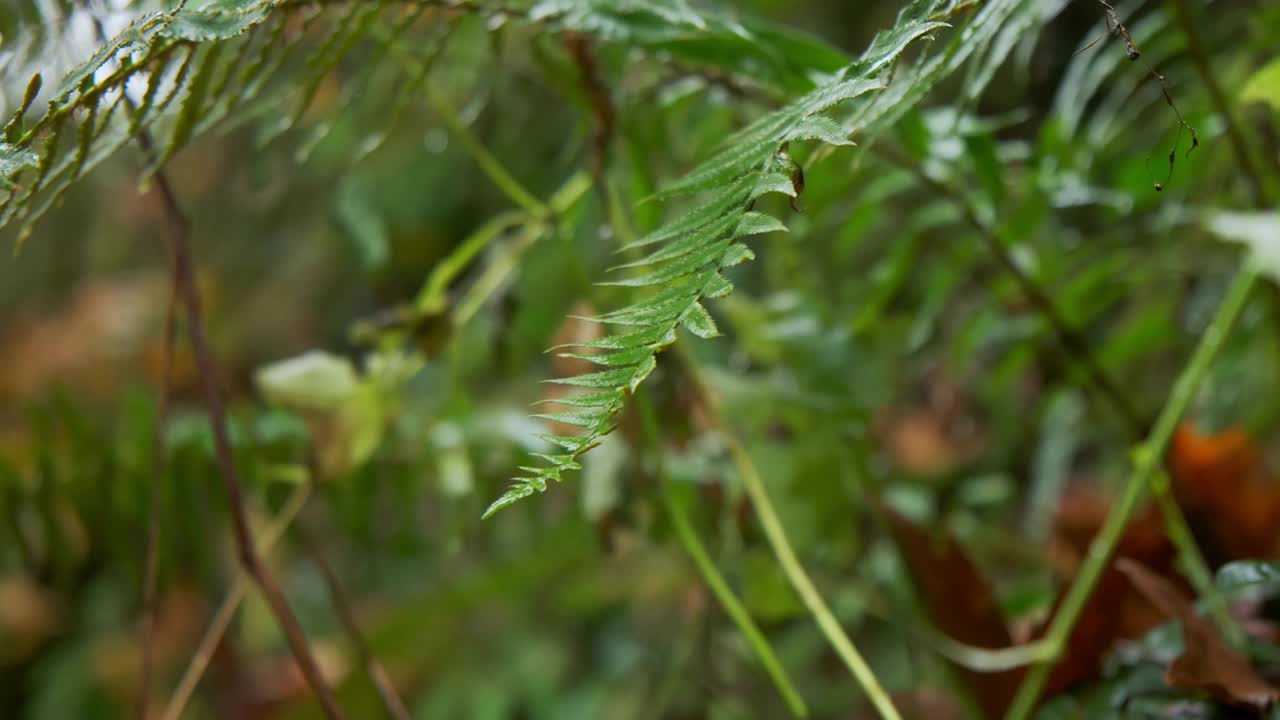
(876, 339)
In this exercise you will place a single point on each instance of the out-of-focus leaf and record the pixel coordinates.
(316, 380)
(365, 226)
(1257, 575)
(346, 413)
(1264, 86)
(960, 603)
(983, 152)
(1259, 231)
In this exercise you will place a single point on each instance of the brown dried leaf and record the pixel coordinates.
(1206, 664)
(960, 602)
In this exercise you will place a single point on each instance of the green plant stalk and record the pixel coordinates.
(1077, 349)
(734, 607)
(785, 554)
(712, 577)
(1149, 462)
(490, 164)
(433, 297)
(802, 583)
(1193, 563)
(1191, 559)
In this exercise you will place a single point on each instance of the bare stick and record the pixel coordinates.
(391, 700)
(227, 609)
(208, 371)
(189, 293)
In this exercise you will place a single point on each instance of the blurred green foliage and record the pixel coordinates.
(344, 209)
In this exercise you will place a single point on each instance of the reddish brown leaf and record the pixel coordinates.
(962, 605)
(1206, 663)
(960, 602)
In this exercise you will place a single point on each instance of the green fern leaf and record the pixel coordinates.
(695, 247)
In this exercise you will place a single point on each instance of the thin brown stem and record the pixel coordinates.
(597, 96)
(391, 700)
(183, 272)
(295, 637)
(1075, 345)
(1246, 158)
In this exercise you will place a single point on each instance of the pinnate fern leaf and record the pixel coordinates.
(686, 257)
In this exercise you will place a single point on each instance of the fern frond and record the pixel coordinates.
(92, 111)
(693, 251)
(176, 75)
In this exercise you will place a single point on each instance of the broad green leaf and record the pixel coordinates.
(657, 336)
(685, 265)
(590, 400)
(1264, 86)
(572, 443)
(819, 127)
(690, 242)
(316, 380)
(621, 357)
(736, 254)
(642, 371)
(586, 419)
(735, 194)
(717, 286)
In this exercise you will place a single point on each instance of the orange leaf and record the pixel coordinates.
(1224, 488)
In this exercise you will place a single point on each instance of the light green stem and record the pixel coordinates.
(734, 607)
(1148, 463)
(433, 297)
(1192, 561)
(485, 159)
(490, 164)
(803, 585)
(714, 580)
(782, 550)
